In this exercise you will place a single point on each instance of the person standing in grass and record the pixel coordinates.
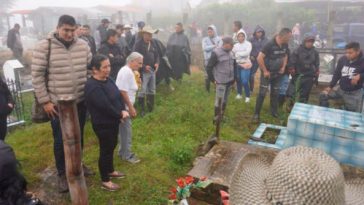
(150, 67)
(6, 106)
(258, 41)
(128, 87)
(221, 71)
(272, 61)
(107, 109)
(59, 68)
(209, 43)
(241, 53)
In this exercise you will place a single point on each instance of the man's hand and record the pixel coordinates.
(266, 74)
(49, 109)
(111, 55)
(355, 79)
(132, 112)
(148, 68)
(327, 90)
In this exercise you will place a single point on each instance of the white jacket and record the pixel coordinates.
(242, 51)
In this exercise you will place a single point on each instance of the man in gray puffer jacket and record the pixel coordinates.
(59, 68)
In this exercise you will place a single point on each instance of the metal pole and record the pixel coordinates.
(71, 135)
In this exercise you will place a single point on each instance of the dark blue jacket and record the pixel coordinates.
(104, 101)
(258, 44)
(345, 71)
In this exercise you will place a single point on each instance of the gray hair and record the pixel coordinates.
(133, 56)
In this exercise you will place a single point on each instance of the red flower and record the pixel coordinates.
(172, 197)
(181, 182)
(189, 180)
(203, 178)
(173, 190)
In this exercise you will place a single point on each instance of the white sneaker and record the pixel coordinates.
(238, 97)
(247, 100)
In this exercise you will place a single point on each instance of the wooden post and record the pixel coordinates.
(71, 135)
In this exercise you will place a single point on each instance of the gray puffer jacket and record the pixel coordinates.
(67, 73)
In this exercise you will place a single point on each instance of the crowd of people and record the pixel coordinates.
(112, 71)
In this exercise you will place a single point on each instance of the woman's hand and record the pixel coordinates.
(10, 105)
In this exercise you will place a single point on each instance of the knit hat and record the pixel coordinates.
(297, 175)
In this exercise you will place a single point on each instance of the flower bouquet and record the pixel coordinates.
(182, 192)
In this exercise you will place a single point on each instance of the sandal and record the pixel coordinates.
(111, 187)
(117, 175)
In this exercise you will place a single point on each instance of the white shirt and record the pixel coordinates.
(126, 82)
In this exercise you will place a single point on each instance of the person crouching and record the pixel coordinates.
(107, 109)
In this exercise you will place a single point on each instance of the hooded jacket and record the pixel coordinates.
(208, 44)
(258, 43)
(67, 72)
(306, 61)
(345, 70)
(118, 59)
(242, 51)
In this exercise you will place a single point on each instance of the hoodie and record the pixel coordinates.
(258, 43)
(208, 44)
(345, 71)
(242, 50)
(306, 61)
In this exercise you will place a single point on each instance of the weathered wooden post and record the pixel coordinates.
(71, 135)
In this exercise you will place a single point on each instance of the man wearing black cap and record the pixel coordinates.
(304, 67)
(101, 32)
(221, 71)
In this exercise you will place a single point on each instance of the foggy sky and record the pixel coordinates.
(33, 4)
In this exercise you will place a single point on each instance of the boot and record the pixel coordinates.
(207, 85)
(258, 108)
(150, 103)
(141, 102)
(281, 100)
(274, 107)
(62, 184)
(216, 116)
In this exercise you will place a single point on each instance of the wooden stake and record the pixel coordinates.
(71, 135)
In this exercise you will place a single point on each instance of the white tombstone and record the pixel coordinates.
(10, 69)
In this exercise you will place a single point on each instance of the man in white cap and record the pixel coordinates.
(149, 68)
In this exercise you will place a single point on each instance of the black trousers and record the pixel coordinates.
(108, 139)
(3, 127)
(300, 88)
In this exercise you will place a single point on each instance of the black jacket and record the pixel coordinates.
(91, 43)
(5, 99)
(103, 101)
(258, 44)
(118, 59)
(149, 52)
(305, 61)
(344, 72)
(11, 38)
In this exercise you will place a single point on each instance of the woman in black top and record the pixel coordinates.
(106, 107)
(6, 106)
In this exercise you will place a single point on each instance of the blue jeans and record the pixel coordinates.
(284, 85)
(58, 140)
(244, 76)
(253, 71)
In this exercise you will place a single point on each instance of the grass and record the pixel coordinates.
(165, 140)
